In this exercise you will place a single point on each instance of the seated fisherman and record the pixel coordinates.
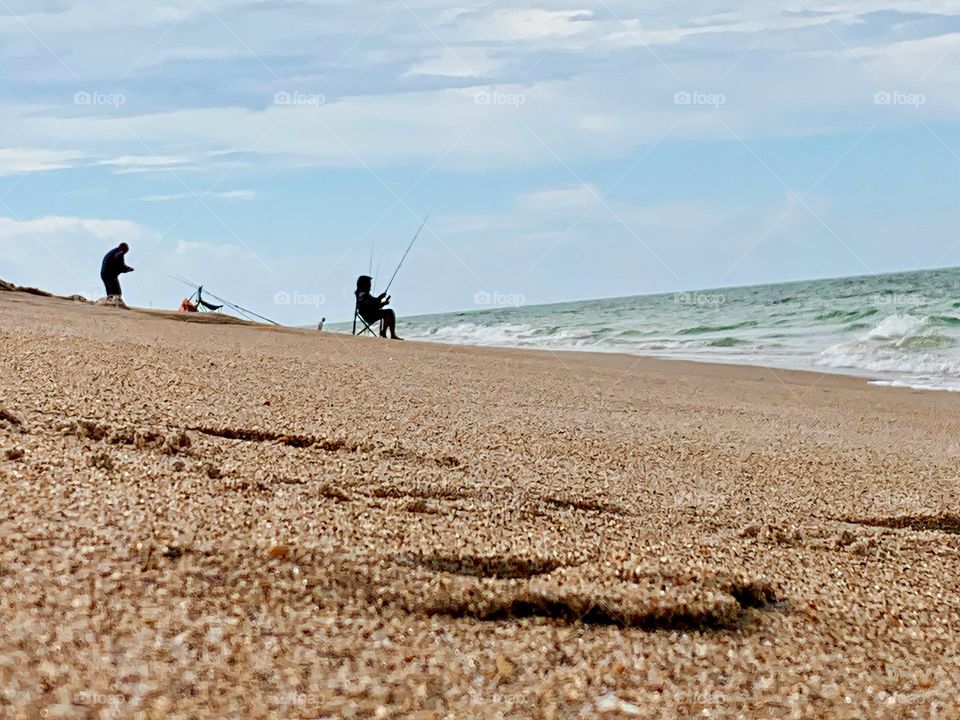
(373, 309)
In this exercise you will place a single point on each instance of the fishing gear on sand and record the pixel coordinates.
(249, 314)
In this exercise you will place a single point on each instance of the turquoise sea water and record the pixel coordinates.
(901, 329)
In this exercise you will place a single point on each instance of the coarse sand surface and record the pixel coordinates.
(204, 520)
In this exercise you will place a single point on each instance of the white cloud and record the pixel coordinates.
(598, 123)
(578, 198)
(525, 24)
(213, 251)
(205, 195)
(191, 53)
(62, 254)
(914, 61)
(73, 16)
(111, 230)
(144, 163)
(547, 216)
(684, 221)
(606, 97)
(465, 62)
(16, 161)
(474, 129)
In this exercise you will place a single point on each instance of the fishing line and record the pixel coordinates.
(409, 247)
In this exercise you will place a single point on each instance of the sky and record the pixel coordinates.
(273, 150)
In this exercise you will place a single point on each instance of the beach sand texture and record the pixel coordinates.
(227, 521)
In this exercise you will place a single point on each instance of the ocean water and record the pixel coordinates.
(901, 329)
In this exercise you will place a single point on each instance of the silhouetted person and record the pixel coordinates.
(373, 309)
(114, 265)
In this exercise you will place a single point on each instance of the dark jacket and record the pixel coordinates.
(113, 264)
(369, 307)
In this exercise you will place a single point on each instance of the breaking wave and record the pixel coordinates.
(919, 348)
(900, 329)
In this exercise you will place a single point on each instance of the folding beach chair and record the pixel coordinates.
(202, 305)
(367, 327)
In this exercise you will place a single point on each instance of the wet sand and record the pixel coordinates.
(212, 521)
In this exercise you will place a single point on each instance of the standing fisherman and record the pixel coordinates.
(114, 265)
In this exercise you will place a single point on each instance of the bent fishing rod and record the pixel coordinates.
(409, 247)
(232, 306)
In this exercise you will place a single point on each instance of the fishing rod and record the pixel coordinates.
(243, 311)
(239, 309)
(409, 247)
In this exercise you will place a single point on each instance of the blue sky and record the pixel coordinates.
(564, 150)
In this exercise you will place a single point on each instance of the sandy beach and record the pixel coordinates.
(233, 521)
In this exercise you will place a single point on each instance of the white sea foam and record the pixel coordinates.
(874, 327)
(859, 356)
(476, 334)
(897, 327)
(920, 384)
(907, 348)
